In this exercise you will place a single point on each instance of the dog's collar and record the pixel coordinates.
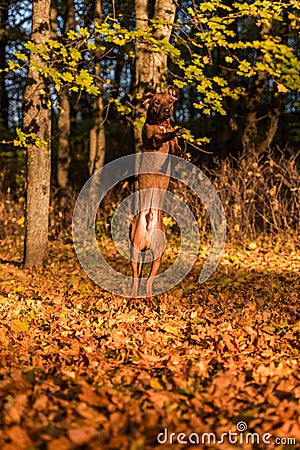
(163, 123)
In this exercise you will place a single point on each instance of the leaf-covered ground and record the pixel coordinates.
(83, 369)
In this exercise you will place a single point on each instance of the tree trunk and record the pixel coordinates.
(150, 67)
(3, 42)
(253, 135)
(37, 120)
(97, 132)
(63, 145)
(97, 137)
(253, 99)
(64, 117)
(271, 129)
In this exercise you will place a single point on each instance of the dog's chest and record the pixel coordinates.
(152, 136)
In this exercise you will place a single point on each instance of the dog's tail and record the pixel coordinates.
(149, 218)
(149, 215)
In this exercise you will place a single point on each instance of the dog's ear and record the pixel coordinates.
(146, 100)
(174, 92)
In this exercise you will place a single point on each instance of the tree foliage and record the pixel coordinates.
(217, 47)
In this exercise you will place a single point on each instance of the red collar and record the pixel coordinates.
(163, 123)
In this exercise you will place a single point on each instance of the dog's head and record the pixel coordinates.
(161, 105)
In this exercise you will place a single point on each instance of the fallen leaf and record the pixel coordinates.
(82, 435)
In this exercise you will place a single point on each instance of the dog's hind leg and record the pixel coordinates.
(158, 243)
(136, 266)
(153, 272)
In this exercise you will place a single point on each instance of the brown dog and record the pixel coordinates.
(147, 229)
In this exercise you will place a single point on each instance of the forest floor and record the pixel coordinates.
(81, 368)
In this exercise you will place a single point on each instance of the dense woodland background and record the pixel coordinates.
(237, 65)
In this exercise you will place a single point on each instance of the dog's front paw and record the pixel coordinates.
(179, 132)
(181, 154)
(184, 156)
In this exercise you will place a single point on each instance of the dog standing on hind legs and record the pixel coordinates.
(147, 228)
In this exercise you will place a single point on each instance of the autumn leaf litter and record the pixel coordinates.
(82, 368)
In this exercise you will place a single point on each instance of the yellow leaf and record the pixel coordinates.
(170, 329)
(281, 88)
(19, 325)
(91, 46)
(21, 221)
(155, 384)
